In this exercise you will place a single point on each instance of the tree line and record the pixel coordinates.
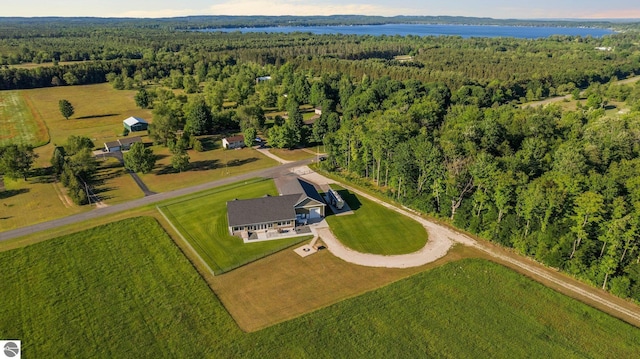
(560, 186)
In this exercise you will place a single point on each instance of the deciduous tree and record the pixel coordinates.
(139, 158)
(66, 108)
(16, 160)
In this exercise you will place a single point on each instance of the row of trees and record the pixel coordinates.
(75, 166)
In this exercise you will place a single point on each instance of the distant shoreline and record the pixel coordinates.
(404, 29)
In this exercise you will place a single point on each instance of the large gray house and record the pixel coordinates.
(299, 203)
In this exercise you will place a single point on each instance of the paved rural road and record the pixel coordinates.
(100, 212)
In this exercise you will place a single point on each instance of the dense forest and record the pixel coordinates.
(433, 122)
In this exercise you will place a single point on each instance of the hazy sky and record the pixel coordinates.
(481, 8)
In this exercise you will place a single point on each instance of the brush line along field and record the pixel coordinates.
(18, 124)
(126, 288)
(202, 220)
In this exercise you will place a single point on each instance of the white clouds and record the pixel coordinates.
(296, 7)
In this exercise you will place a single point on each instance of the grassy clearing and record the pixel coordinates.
(375, 229)
(33, 201)
(291, 155)
(114, 184)
(205, 167)
(18, 124)
(99, 112)
(202, 220)
(126, 288)
(41, 199)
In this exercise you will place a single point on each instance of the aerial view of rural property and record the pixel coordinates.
(328, 179)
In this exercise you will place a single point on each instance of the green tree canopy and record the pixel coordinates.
(16, 160)
(66, 108)
(198, 115)
(142, 98)
(76, 143)
(139, 158)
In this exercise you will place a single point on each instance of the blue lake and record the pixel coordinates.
(465, 31)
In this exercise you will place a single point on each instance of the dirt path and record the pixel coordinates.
(265, 151)
(436, 248)
(62, 195)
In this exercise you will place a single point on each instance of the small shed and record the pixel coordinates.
(318, 110)
(134, 124)
(233, 142)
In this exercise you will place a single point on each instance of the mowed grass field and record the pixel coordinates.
(19, 123)
(202, 220)
(373, 228)
(99, 112)
(205, 166)
(292, 155)
(33, 201)
(126, 288)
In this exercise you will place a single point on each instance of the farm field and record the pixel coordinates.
(205, 166)
(128, 289)
(375, 229)
(18, 123)
(202, 220)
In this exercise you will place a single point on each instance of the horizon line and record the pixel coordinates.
(578, 19)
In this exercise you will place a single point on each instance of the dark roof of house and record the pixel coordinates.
(238, 138)
(262, 210)
(129, 140)
(300, 186)
(112, 144)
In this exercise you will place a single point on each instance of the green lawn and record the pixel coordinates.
(126, 288)
(202, 220)
(373, 228)
(17, 122)
(204, 166)
(123, 289)
(292, 155)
